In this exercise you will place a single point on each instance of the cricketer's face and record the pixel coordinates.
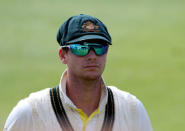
(89, 67)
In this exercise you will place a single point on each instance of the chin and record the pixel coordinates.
(92, 76)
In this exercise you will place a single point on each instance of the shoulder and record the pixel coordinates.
(126, 99)
(38, 95)
(123, 95)
(22, 113)
(38, 99)
(131, 109)
(40, 104)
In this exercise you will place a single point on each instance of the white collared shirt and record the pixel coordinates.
(35, 113)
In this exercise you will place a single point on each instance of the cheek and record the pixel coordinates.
(102, 62)
(74, 62)
(104, 59)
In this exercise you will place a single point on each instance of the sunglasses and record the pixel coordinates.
(84, 49)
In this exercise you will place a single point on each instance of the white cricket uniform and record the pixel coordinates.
(35, 113)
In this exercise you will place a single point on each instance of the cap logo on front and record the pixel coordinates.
(89, 26)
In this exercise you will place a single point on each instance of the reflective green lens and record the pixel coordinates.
(100, 50)
(82, 50)
(79, 50)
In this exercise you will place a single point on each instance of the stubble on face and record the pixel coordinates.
(88, 67)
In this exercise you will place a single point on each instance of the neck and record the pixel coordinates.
(84, 94)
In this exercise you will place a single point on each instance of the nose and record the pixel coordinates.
(91, 54)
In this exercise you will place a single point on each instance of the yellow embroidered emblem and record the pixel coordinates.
(89, 26)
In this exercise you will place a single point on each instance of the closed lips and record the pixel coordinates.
(89, 66)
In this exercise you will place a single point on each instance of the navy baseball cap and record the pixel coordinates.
(80, 28)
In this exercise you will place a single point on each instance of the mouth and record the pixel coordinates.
(91, 67)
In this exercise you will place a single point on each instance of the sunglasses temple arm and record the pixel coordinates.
(65, 46)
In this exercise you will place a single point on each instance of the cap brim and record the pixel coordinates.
(89, 37)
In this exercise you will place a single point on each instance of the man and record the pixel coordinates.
(81, 101)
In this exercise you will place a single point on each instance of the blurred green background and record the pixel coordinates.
(147, 57)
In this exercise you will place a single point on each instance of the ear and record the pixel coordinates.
(63, 55)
